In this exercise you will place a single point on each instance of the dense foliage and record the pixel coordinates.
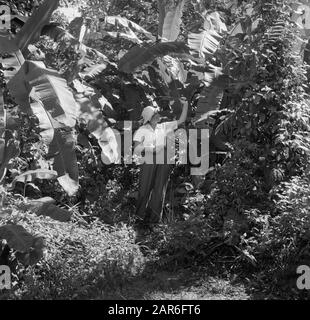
(241, 65)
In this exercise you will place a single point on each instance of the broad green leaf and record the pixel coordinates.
(46, 207)
(31, 175)
(106, 107)
(203, 43)
(210, 99)
(46, 122)
(276, 31)
(53, 92)
(215, 20)
(54, 105)
(93, 71)
(17, 237)
(20, 89)
(110, 150)
(75, 26)
(163, 71)
(237, 29)
(128, 35)
(170, 14)
(33, 27)
(176, 68)
(139, 56)
(62, 149)
(29, 248)
(226, 124)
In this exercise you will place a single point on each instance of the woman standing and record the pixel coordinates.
(150, 140)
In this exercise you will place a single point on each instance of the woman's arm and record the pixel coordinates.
(183, 116)
(139, 148)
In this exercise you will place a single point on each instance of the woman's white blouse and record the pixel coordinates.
(157, 137)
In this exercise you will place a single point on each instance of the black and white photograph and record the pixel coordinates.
(154, 151)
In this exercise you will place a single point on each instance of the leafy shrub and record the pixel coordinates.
(80, 261)
(183, 243)
(285, 244)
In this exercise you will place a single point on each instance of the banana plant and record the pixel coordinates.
(53, 104)
(137, 57)
(210, 100)
(43, 92)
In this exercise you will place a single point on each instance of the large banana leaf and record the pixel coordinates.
(75, 26)
(210, 99)
(34, 174)
(54, 105)
(93, 71)
(17, 237)
(175, 68)
(203, 43)
(46, 122)
(128, 35)
(237, 29)
(170, 19)
(20, 89)
(47, 207)
(139, 56)
(29, 176)
(217, 24)
(53, 92)
(29, 248)
(62, 149)
(32, 28)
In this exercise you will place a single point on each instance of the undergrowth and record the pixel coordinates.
(80, 261)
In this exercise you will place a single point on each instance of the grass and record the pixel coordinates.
(104, 262)
(80, 261)
(98, 261)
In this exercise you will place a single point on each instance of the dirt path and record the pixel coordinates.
(181, 286)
